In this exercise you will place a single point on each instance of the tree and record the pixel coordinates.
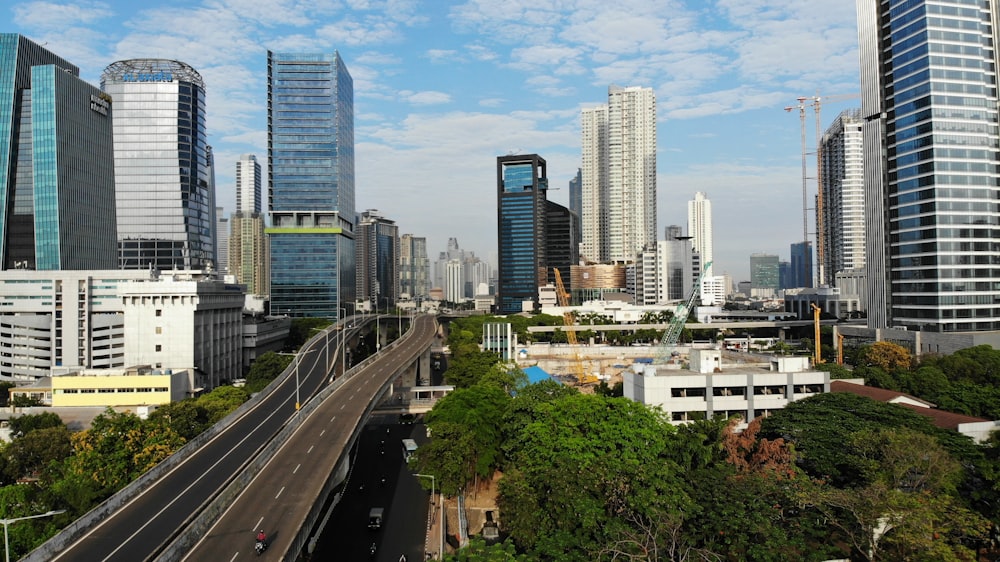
(265, 369)
(478, 551)
(32, 453)
(5, 387)
(22, 425)
(449, 456)
(904, 510)
(186, 417)
(819, 426)
(467, 366)
(221, 401)
(118, 448)
(478, 410)
(582, 470)
(887, 356)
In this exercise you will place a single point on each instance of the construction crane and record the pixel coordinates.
(562, 297)
(673, 333)
(819, 350)
(816, 103)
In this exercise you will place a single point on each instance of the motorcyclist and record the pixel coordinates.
(261, 537)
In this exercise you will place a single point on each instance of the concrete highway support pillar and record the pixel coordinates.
(424, 369)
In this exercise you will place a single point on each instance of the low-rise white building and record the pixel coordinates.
(185, 321)
(66, 320)
(709, 388)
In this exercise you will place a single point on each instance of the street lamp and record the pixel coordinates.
(298, 359)
(326, 344)
(441, 514)
(343, 344)
(5, 522)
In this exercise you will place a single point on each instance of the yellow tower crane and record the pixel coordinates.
(562, 297)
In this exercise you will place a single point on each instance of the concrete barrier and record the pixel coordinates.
(78, 528)
(214, 507)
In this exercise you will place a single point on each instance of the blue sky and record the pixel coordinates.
(443, 88)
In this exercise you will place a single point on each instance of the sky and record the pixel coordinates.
(441, 88)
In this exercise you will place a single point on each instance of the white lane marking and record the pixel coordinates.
(234, 557)
(342, 406)
(333, 418)
(279, 492)
(322, 432)
(310, 449)
(296, 468)
(259, 523)
(178, 496)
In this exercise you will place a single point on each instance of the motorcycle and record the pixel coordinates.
(372, 550)
(260, 546)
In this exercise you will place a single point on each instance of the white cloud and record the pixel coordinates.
(425, 98)
(59, 15)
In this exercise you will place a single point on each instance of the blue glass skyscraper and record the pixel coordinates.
(932, 151)
(57, 189)
(522, 185)
(310, 143)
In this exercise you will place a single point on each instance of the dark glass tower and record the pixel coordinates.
(801, 271)
(929, 105)
(57, 188)
(310, 144)
(522, 184)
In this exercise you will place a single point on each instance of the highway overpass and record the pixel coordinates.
(171, 508)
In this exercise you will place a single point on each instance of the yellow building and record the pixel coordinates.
(133, 386)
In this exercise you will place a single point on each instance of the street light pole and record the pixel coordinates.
(343, 345)
(298, 359)
(6, 522)
(440, 507)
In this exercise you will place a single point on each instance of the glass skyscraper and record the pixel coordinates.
(310, 142)
(929, 104)
(164, 186)
(377, 259)
(57, 190)
(522, 184)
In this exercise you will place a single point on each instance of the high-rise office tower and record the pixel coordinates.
(929, 105)
(249, 258)
(310, 144)
(522, 186)
(576, 195)
(666, 271)
(414, 267)
(800, 272)
(700, 227)
(57, 190)
(618, 176)
(222, 240)
(764, 281)
(562, 241)
(454, 281)
(843, 196)
(248, 184)
(376, 240)
(163, 180)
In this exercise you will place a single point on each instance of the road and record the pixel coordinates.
(279, 498)
(346, 536)
(150, 520)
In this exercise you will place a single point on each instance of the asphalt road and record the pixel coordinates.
(143, 526)
(279, 498)
(346, 536)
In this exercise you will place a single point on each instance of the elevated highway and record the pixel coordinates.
(163, 513)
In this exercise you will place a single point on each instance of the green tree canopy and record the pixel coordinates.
(584, 471)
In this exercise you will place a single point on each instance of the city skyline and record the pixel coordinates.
(434, 78)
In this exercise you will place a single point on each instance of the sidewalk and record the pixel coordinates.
(434, 540)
